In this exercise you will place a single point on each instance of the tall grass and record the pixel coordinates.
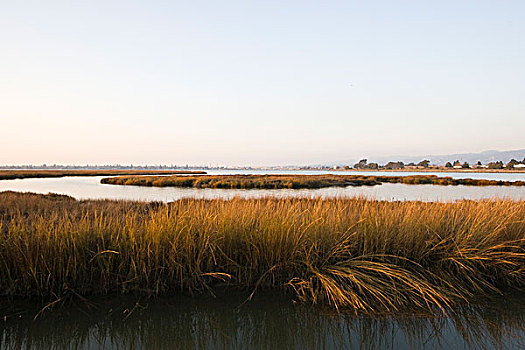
(26, 174)
(295, 181)
(354, 254)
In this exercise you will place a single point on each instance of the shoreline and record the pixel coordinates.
(431, 170)
(32, 174)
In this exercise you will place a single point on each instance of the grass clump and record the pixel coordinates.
(244, 181)
(294, 181)
(352, 254)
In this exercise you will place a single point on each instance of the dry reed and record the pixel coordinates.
(353, 254)
(295, 181)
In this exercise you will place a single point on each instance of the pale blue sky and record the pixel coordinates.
(254, 83)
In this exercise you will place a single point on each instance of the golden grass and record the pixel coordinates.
(351, 254)
(295, 181)
(25, 174)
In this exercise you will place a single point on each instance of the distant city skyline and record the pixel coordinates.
(258, 84)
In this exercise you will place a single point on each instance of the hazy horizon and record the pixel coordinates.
(258, 84)
(380, 159)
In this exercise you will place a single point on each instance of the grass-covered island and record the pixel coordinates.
(294, 181)
(27, 174)
(352, 254)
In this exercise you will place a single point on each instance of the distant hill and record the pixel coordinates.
(485, 157)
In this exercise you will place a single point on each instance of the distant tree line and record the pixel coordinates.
(363, 164)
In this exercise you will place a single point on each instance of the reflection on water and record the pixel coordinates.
(91, 188)
(267, 322)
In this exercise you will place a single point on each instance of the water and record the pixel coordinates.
(91, 188)
(267, 322)
(457, 175)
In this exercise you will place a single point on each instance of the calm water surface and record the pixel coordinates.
(456, 175)
(267, 322)
(91, 188)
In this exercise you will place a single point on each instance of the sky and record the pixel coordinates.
(258, 82)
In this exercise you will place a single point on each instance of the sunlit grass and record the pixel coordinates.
(351, 254)
(295, 181)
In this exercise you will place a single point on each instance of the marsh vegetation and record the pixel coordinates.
(295, 181)
(350, 254)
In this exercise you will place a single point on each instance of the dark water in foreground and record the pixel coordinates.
(268, 322)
